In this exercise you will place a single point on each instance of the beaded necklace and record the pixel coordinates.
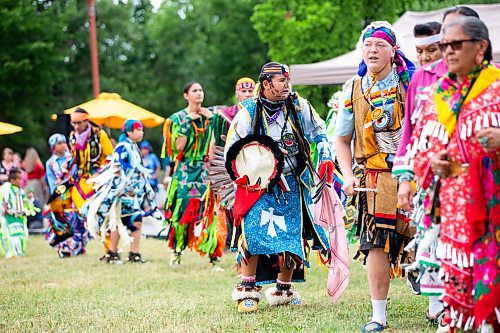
(378, 111)
(272, 109)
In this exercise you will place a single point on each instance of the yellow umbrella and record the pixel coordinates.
(6, 128)
(110, 110)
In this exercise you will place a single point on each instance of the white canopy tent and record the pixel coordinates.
(340, 69)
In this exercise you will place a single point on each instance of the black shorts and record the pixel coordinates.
(129, 221)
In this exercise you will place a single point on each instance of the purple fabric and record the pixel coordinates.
(231, 111)
(81, 139)
(424, 77)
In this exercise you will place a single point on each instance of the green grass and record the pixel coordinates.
(42, 293)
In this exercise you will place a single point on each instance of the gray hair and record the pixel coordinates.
(475, 29)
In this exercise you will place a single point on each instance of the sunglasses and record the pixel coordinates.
(455, 45)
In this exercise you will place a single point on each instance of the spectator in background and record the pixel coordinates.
(151, 162)
(18, 163)
(168, 165)
(6, 164)
(36, 173)
(427, 42)
(34, 221)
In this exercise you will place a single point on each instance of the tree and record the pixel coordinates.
(306, 31)
(212, 42)
(29, 69)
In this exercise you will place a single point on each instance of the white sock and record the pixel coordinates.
(435, 305)
(379, 311)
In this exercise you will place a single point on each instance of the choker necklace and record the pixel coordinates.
(272, 108)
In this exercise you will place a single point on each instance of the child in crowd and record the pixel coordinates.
(14, 208)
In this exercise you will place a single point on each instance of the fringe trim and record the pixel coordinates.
(192, 213)
(167, 137)
(456, 256)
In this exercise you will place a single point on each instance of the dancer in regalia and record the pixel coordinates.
(14, 207)
(91, 149)
(372, 115)
(268, 157)
(66, 231)
(223, 226)
(426, 265)
(455, 141)
(123, 196)
(187, 134)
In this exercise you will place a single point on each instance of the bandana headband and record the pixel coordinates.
(276, 69)
(78, 116)
(130, 125)
(382, 33)
(420, 41)
(245, 83)
(404, 67)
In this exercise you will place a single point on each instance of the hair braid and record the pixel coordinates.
(257, 121)
(305, 150)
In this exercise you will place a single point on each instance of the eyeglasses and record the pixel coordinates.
(455, 45)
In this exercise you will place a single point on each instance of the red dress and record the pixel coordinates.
(469, 244)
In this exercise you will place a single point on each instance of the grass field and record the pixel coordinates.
(42, 293)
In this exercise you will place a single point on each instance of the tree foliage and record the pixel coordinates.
(306, 31)
(29, 61)
(212, 42)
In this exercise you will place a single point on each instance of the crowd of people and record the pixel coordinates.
(416, 153)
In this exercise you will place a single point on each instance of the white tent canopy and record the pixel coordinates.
(340, 69)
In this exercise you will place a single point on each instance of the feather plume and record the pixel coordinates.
(219, 179)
